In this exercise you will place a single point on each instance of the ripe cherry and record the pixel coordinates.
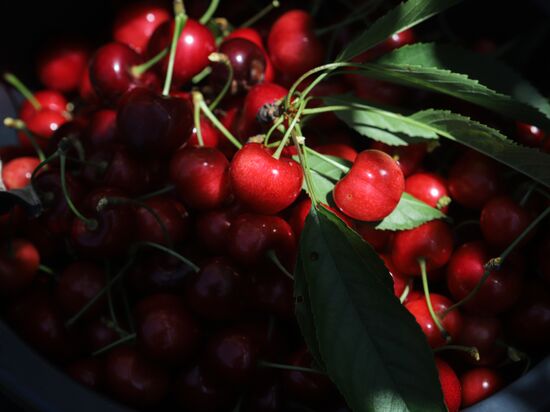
(400, 282)
(432, 241)
(171, 213)
(165, 330)
(253, 36)
(43, 126)
(530, 135)
(201, 176)
(16, 174)
(378, 239)
(262, 183)
(481, 332)
(211, 137)
(272, 292)
(342, 150)
(212, 229)
(96, 335)
(372, 188)
(407, 157)
(452, 322)
(257, 97)
(101, 129)
(48, 100)
(87, 371)
(430, 188)
(478, 384)
(450, 384)
(133, 379)
(19, 263)
(293, 46)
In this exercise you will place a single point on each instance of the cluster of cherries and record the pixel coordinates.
(159, 270)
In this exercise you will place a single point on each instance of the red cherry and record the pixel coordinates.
(48, 99)
(473, 179)
(16, 174)
(452, 322)
(530, 135)
(380, 92)
(212, 229)
(18, 266)
(257, 97)
(499, 292)
(133, 379)
(452, 391)
(428, 187)
(43, 125)
(87, 371)
(293, 46)
(342, 150)
(372, 188)
(378, 239)
(400, 39)
(432, 241)
(211, 137)
(170, 212)
(253, 36)
(481, 333)
(135, 23)
(195, 44)
(165, 330)
(86, 89)
(407, 157)
(478, 384)
(101, 129)
(201, 176)
(272, 292)
(261, 182)
(62, 64)
(400, 282)
(502, 220)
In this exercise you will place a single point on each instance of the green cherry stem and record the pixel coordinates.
(295, 121)
(138, 70)
(273, 365)
(263, 12)
(46, 269)
(425, 286)
(302, 156)
(327, 159)
(169, 252)
(406, 292)
(159, 192)
(110, 294)
(21, 88)
(19, 124)
(471, 350)
(44, 163)
(273, 257)
(222, 58)
(280, 120)
(114, 344)
(208, 113)
(202, 75)
(180, 21)
(209, 11)
(197, 116)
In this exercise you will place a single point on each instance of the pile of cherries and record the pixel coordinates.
(160, 269)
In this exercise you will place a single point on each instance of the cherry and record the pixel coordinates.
(400, 282)
(265, 395)
(216, 292)
(268, 335)
(393, 42)
(407, 157)
(78, 284)
(153, 125)
(133, 379)
(298, 216)
(372, 188)
(478, 384)
(48, 100)
(42, 125)
(253, 36)
(378, 239)
(16, 174)
(450, 384)
(201, 176)
(473, 180)
(135, 23)
(452, 322)
(502, 220)
(257, 97)
(212, 229)
(97, 334)
(86, 89)
(210, 135)
(195, 44)
(19, 263)
(261, 182)
(195, 391)
(171, 213)
(111, 72)
(430, 188)
(293, 46)
(62, 64)
(87, 371)
(481, 333)
(342, 150)
(165, 330)
(499, 292)
(530, 135)
(101, 129)
(272, 292)
(432, 241)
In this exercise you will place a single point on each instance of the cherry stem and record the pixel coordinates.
(110, 324)
(272, 365)
(19, 124)
(302, 156)
(169, 252)
(528, 193)
(327, 159)
(197, 117)
(21, 88)
(275, 126)
(44, 162)
(208, 113)
(291, 126)
(159, 192)
(101, 165)
(180, 21)
(93, 300)
(222, 58)
(209, 12)
(114, 344)
(46, 269)
(273, 257)
(406, 291)
(425, 286)
(202, 75)
(138, 70)
(110, 294)
(471, 350)
(263, 12)
(443, 202)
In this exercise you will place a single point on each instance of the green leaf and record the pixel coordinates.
(408, 214)
(373, 349)
(403, 16)
(464, 75)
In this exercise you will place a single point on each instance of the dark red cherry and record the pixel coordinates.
(86, 89)
(262, 183)
(474, 179)
(135, 23)
(272, 292)
(62, 64)
(212, 229)
(270, 336)
(378, 239)
(19, 263)
(165, 330)
(502, 220)
(452, 322)
(111, 72)
(293, 45)
(530, 135)
(258, 96)
(499, 292)
(48, 99)
(450, 385)
(481, 332)
(372, 188)
(153, 125)
(78, 284)
(253, 36)
(16, 174)
(97, 334)
(201, 176)
(195, 44)
(265, 395)
(430, 188)
(432, 241)
(133, 379)
(407, 157)
(101, 129)
(171, 213)
(87, 371)
(211, 137)
(42, 125)
(478, 384)
(400, 282)
(196, 391)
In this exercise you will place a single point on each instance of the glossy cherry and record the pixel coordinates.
(211, 137)
(481, 332)
(478, 384)
(253, 36)
(19, 263)
(212, 229)
(43, 126)
(430, 188)
(450, 385)
(530, 135)
(165, 330)
(171, 213)
(407, 157)
(262, 183)
(16, 174)
(48, 100)
(87, 371)
(432, 241)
